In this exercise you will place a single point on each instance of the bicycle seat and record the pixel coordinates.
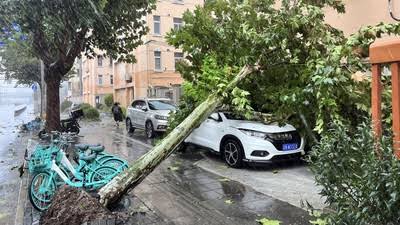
(85, 147)
(97, 149)
(88, 158)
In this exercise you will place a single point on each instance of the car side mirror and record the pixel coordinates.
(144, 108)
(214, 117)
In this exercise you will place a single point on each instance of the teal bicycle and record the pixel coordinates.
(52, 168)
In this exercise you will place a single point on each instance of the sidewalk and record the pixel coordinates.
(179, 192)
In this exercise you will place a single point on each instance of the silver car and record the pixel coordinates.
(150, 114)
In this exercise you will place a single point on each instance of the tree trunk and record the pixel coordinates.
(149, 161)
(52, 101)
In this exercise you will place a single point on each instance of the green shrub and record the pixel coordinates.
(65, 105)
(109, 100)
(361, 188)
(104, 108)
(91, 113)
(123, 110)
(85, 106)
(99, 105)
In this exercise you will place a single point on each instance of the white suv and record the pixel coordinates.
(239, 140)
(150, 114)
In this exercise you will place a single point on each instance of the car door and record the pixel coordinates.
(132, 112)
(141, 113)
(210, 132)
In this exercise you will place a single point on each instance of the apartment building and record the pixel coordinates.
(97, 79)
(361, 13)
(153, 75)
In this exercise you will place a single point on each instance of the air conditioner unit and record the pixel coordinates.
(128, 77)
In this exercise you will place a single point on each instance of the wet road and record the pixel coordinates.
(179, 192)
(11, 157)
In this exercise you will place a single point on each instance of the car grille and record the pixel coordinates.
(278, 158)
(290, 137)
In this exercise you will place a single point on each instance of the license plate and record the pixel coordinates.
(287, 147)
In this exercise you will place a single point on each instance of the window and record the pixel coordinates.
(177, 23)
(157, 60)
(161, 105)
(178, 56)
(99, 60)
(157, 24)
(138, 104)
(100, 79)
(111, 79)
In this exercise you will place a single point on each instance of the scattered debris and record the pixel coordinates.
(275, 171)
(81, 208)
(265, 221)
(229, 202)
(173, 168)
(21, 170)
(35, 124)
(224, 179)
(14, 167)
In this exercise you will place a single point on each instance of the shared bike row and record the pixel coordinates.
(51, 168)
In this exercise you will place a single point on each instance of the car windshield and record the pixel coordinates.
(161, 105)
(233, 116)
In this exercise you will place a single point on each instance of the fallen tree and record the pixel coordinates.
(149, 161)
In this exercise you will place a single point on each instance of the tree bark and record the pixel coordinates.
(149, 161)
(52, 101)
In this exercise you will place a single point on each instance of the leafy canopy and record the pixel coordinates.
(306, 66)
(60, 30)
(17, 61)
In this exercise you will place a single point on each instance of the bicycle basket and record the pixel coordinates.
(30, 148)
(40, 160)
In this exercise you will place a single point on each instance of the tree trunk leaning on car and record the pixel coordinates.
(149, 161)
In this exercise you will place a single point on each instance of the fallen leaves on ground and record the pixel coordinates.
(224, 179)
(228, 201)
(265, 221)
(173, 168)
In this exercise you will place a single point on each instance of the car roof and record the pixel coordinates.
(153, 99)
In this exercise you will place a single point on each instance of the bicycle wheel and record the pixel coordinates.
(41, 191)
(103, 174)
(115, 163)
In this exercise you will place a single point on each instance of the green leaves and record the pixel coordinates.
(360, 188)
(265, 221)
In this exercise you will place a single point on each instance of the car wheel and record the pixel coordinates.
(149, 129)
(129, 127)
(233, 153)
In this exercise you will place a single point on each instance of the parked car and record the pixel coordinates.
(239, 140)
(150, 114)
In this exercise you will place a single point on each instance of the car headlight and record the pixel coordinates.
(254, 133)
(280, 136)
(159, 117)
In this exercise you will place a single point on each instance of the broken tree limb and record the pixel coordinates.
(149, 161)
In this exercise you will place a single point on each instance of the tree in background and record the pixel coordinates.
(59, 31)
(109, 100)
(18, 62)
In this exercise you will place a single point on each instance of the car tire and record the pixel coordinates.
(129, 127)
(232, 153)
(149, 130)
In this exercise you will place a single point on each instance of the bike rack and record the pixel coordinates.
(386, 52)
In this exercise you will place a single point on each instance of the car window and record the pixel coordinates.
(161, 105)
(134, 104)
(233, 116)
(138, 104)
